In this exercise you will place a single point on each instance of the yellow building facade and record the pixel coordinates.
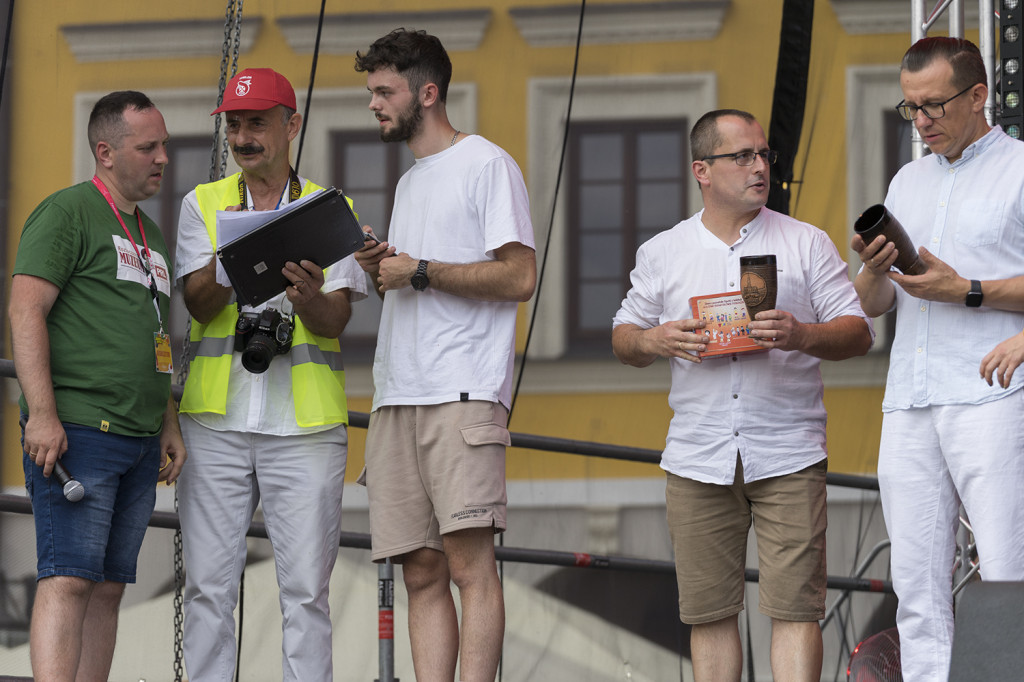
(513, 60)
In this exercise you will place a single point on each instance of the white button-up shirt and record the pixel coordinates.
(970, 214)
(768, 406)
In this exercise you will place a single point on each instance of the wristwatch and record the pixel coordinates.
(974, 296)
(420, 281)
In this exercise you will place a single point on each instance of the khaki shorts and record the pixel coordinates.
(434, 469)
(709, 525)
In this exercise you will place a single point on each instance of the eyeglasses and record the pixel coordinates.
(932, 110)
(769, 156)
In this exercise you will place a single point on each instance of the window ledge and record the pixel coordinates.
(670, 21)
(860, 17)
(154, 39)
(459, 30)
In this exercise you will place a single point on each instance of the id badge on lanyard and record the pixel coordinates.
(161, 341)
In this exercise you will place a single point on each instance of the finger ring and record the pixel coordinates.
(298, 285)
(680, 344)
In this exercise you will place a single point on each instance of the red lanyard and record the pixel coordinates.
(148, 259)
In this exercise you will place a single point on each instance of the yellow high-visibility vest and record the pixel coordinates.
(318, 376)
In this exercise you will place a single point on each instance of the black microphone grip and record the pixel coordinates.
(73, 490)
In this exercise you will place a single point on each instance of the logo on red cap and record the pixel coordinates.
(257, 89)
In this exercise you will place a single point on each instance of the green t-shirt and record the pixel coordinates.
(101, 327)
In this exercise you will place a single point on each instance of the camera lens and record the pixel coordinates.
(258, 353)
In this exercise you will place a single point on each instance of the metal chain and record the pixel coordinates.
(179, 567)
(232, 46)
(236, 47)
(179, 602)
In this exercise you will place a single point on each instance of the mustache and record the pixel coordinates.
(247, 149)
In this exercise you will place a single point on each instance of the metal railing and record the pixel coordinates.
(846, 585)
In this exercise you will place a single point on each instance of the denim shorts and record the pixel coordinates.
(97, 538)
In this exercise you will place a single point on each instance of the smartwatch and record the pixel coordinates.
(974, 296)
(420, 281)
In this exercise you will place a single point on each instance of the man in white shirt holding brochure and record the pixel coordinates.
(747, 440)
(265, 413)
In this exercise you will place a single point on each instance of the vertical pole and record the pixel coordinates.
(987, 45)
(917, 31)
(386, 621)
(956, 19)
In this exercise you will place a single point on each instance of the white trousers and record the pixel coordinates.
(930, 460)
(300, 480)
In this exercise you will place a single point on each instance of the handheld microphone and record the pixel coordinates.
(73, 490)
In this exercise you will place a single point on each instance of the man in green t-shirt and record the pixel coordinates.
(89, 309)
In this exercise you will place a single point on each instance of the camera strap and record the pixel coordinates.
(294, 190)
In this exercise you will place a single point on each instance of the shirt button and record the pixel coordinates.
(734, 358)
(735, 433)
(935, 240)
(920, 350)
(924, 308)
(942, 203)
(732, 284)
(735, 395)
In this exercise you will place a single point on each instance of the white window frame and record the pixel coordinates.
(870, 92)
(595, 99)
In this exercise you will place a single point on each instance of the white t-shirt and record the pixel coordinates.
(766, 406)
(257, 403)
(456, 206)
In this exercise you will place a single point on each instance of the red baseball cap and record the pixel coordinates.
(257, 89)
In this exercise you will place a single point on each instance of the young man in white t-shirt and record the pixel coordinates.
(462, 260)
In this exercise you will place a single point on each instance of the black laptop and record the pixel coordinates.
(322, 229)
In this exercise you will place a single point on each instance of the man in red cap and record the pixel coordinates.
(276, 436)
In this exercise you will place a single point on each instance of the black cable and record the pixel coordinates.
(810, 144)
(298, 157)
(544, 261)
(241, 619)
(312, 79)
(7, 45)
(750, 644)
(554, 202)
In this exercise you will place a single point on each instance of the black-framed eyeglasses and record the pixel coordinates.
(769, 156)
(932, 110)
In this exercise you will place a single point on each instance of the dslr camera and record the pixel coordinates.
(260, 336)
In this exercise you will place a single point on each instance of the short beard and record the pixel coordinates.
(406, 125)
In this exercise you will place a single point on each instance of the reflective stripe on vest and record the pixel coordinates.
(318, 377)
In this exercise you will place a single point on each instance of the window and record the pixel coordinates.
(643, 103)
(188, 165)
(627, 183)
(878, 144)
(898, 133)
(898, 151)
(367, 170)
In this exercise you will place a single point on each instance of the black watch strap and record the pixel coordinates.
(974, 296)
(420, 281)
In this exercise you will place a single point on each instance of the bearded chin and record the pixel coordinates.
(406, 125)
(397, 134)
